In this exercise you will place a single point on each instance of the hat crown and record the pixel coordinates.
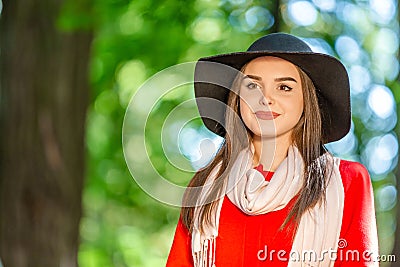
(279, 42)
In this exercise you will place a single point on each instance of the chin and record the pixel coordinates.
(272, 133)
(265, 134)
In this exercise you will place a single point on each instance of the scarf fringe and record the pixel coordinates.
(206, 256)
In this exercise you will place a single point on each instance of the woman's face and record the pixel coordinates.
(271, 97)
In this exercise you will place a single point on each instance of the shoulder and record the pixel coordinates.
(354, 175)
(359, 221)
(352, 168)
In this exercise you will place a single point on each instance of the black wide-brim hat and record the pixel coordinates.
(214, 76)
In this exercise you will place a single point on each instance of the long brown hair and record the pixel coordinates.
(307, 136)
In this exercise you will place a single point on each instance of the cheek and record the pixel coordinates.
(295, 106)
(245, 110)
(251, 97)
(300, 108)
(248, 118)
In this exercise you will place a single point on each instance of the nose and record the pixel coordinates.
(266, 99)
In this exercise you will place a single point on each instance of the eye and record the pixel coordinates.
(252, 85)
(285, 87)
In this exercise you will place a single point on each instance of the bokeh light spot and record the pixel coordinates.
(130, 22)
(386, 41)
(381, 101)
(130, 76)
(344, 146)
(302, 13)
(360, 79)
(199, 146)
(237, 2)
(207, 30)
(319, 45)
(253, 20)
(325, 5)
(354, 15)
(387, 147)
(380, 153)
(347, 48)
(383, 10)
(386, 196)
(258, 19)
(386, 66)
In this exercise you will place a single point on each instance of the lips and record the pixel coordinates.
(267, 115)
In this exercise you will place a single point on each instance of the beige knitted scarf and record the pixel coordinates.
(318, 230)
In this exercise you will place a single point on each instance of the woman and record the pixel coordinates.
(273, 195)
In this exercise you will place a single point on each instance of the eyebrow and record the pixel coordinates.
(254, 77)
(280, 79)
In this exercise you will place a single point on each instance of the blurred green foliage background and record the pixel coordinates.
(133, 40)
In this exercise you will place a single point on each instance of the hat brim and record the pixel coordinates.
(326, 72)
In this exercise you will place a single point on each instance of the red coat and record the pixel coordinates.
(245, 240)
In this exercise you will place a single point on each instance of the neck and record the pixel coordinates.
(270, 152)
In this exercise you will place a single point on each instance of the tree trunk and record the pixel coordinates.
(276, 12)
(44, 97)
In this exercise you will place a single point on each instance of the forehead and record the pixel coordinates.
(270, 64)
